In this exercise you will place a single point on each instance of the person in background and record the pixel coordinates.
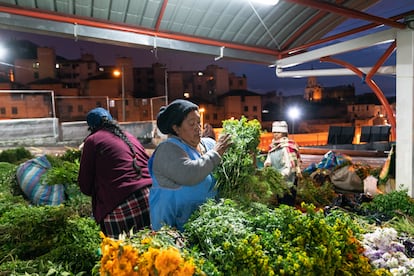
(284, 157)
(114, 172)
(181, 166)
(208, 131)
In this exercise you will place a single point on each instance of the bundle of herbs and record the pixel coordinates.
(238, 177)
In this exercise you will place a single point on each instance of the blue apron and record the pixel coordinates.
(174, 207)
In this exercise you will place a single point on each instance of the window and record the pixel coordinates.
(17, 97)
(2, 110)
(14, 110)
(70, 108)
(215, 116)
(246, 108)
(255, 108)
(80, 108)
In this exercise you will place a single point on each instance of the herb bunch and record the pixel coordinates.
(238, 162)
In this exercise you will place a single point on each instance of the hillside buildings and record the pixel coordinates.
(42, 84)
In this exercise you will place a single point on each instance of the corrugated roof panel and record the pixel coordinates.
(245, 27)
(223, 27)
(64, 6)
(236, 29)
(149, 13)
(25, 3)
(118, 10)
(47, 5)
(83, 8)
(100, 9)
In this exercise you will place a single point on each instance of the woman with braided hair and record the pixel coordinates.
(113, 171)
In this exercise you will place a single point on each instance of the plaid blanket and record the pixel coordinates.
(292, 148)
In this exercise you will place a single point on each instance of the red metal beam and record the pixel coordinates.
(303, 47)
(161, 15)
(371, 83)
(382, 59)
(303, 29)
(347, 12)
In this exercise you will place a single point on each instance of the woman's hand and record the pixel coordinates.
(223, 143)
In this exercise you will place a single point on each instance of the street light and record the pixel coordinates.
(117, 73)
(293, 113)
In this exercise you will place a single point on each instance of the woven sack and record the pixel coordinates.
(29, 178)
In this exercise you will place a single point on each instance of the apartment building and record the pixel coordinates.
(67, 89)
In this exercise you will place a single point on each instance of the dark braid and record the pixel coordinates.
(113, 127)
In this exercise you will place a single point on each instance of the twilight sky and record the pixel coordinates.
(261, 79)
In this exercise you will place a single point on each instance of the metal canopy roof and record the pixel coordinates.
(232, 29)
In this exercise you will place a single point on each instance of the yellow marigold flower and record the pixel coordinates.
(147, 259)
(186, 269)
(168, 261)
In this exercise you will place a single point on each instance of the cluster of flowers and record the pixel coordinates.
(385, 251)
(127, 257)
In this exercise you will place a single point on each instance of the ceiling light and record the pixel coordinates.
(266, 2)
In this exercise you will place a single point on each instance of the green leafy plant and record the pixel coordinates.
(64, 169)
(393, 204)
(257, 240)
(314, 193)
(16, 155)
(238, 176)
(238, 162)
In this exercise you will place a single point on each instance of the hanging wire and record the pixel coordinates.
(264, 25)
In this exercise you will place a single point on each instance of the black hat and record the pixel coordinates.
(174, 114)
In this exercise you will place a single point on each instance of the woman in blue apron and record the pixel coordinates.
(181, 166)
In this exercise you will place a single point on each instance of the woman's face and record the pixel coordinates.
(190, 129)
(277, 135)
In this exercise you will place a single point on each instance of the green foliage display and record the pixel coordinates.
(15, 156)
(395, 203)
(239, 235)
(64, 169)
(222, 232)
(283, 241)
(318, 194)
(23, 224)
(46, 240)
